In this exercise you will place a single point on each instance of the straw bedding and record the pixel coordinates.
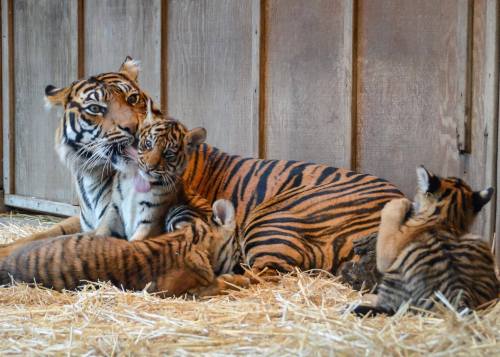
(300, 315)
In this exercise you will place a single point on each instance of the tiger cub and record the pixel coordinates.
(148, 182)
(426, 248)
(184, 261)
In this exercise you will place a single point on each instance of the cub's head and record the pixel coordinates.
(164, 147)
(451, 199)
(219, 236)
(101, 116)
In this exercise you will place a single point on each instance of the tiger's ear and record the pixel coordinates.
(481, 198)
(427, 182)
(149, 112)
(195, 137)
(224, 214)
(130, 68)
(56, 96)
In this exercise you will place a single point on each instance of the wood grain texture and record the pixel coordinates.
(411, 78)
(45, 53)
(210, 71)
(7, 98)
(308, 84)
(479, 167)
(117, 28)
(1, 93)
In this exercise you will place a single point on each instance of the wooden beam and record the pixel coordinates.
(81, 38)
(164, 56)
(8, 91)
(351, 78)
(258, 77)
(39, 205)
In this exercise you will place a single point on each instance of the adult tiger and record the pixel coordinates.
(101, 114)
(249, 182)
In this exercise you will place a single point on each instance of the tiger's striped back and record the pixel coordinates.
(314, 227)
(292, 214)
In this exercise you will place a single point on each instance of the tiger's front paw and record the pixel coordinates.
(234, 282)
(396, 210)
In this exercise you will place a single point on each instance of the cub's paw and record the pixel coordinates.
(234, 282)
(396, 209)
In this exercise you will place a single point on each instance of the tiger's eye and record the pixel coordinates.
(148, 144)
(133, 99)
(169, 155)
(95, 109)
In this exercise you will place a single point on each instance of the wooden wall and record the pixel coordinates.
(380, 86)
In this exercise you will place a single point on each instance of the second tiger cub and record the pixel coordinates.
(148, 183)
(427, 248)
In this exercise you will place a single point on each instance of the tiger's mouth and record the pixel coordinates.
(118, 149)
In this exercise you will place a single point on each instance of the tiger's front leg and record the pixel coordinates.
(390, 241)
(70, 225)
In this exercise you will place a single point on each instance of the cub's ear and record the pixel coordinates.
(56, 96)
(427, 182)
(480, 198)
(196, 137)
(224, 214)
(130, 68)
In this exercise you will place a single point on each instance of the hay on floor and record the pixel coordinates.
(301, 315)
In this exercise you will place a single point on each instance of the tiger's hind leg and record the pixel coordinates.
(390, 241)
(269, 250)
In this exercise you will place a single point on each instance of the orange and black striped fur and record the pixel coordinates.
(428, 249)
(185, 261)
(313, 227)
(101, 116)
(249, 182)
(148, 184)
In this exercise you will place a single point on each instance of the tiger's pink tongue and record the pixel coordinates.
(140, 184)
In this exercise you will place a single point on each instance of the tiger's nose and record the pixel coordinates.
(129, 127)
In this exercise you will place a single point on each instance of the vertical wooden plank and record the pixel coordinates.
(7, 100)
(2, 193)
(351, 75)
(210, 46)
(117, 28)
(44, 53)
(308, 83)
(411, 85)
(479, 166)
(1, 97)
(164, 55)
(258, 75)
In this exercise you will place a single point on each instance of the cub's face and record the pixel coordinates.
(164, 148)
(101, 116)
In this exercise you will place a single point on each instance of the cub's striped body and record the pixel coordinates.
(432, 251)
(179, 262)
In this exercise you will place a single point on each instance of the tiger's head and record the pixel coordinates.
(101, 116)
(449, 200)
(219, 236)
(163, 150)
